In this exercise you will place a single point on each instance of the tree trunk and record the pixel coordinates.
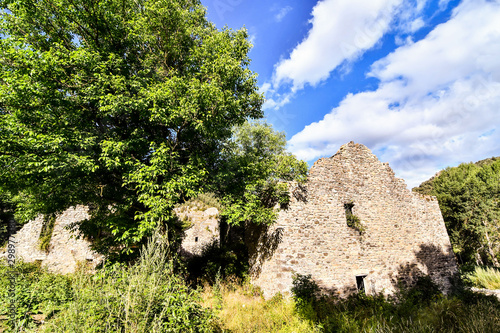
(490, 249)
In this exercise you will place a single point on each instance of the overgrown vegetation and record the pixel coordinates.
(148, 296)
(352, 220)
(216, 260)
(151, 296)
(138, 106)
(129, 104)
(241, 308)
(469, 197)
(252, 180)
(6, 215)
(39, 294)
(46, 233)
(421, 308)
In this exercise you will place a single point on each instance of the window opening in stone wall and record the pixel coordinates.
(196, 239)
(348, 208)
(351, 219)
(360, 282)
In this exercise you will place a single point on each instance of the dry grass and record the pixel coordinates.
(241, 308)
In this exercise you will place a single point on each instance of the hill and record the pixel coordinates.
(469, 197)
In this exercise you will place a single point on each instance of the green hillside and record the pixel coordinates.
(468, 196)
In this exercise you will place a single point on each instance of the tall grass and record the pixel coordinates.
(488, 278)
(148, 296)
(241, 308)
(421, 308)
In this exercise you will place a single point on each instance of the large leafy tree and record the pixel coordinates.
(255, 172)
(469, 198)
(121, 105)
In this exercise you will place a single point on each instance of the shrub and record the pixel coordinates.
(37, 292)
(305, 289)
(354, 222)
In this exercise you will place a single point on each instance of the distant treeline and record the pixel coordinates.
(468, 196)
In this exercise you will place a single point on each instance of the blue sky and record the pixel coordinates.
(418, 82)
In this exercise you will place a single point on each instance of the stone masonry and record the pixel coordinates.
(65, 251)
(204, 229)
(404, 233)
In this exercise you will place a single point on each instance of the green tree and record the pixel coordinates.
(120, 105)
(254, 174)
(468, 196)
(252, 181)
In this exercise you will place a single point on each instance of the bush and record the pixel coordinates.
(305, 289)
(37, 292)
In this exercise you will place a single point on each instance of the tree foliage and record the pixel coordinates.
(254, 174)
(117, 104)
(469, 198)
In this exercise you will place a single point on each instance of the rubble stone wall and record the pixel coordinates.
(404, 233)
(204, 229)
(65, 251)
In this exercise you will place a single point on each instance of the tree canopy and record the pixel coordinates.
(254, 174)
(120, 105)
(469, 198)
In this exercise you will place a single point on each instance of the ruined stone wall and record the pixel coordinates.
(204, 229)
(404, 232)
(65, 252)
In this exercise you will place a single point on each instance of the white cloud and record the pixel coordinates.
(282, 13)
(416, 25)
(437, 103)
(341, 30)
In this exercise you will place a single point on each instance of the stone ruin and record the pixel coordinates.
(65, 252)
(353, 226)
(203, 230)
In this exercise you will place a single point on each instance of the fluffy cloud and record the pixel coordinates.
(437, 103)
(330, 42)
(342, 30)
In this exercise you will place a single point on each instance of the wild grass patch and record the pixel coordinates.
(241, 308)
(485, 277)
